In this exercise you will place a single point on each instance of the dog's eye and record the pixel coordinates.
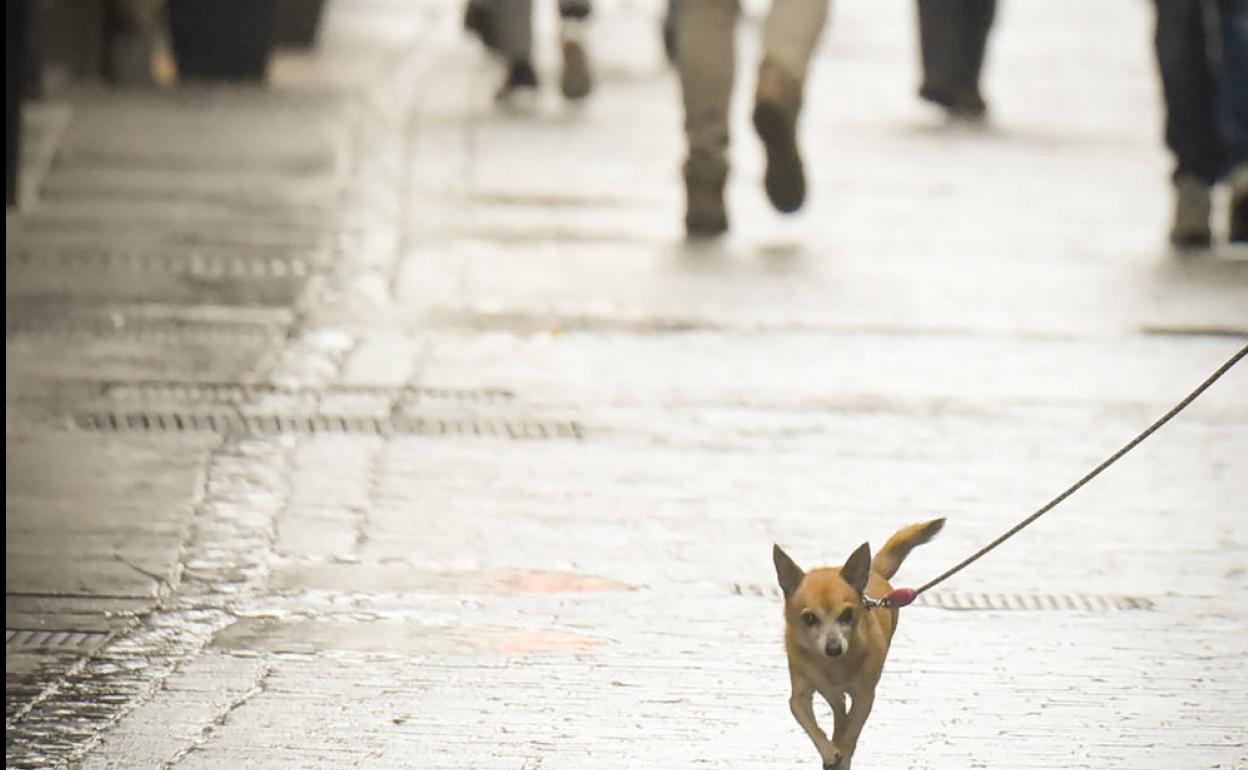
(810, 618)
(846, 617)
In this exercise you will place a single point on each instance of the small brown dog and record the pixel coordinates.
(835, 643)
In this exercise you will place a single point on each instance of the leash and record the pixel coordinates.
(903, 596)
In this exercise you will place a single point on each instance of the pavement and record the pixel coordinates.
(357, 421)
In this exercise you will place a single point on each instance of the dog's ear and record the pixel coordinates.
(858, 568)
(787, 571)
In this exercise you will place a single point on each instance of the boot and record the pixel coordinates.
(705, 214)
(520, 79)
(968, 104)
(777, 103)
(576, 81)
(1191, 214)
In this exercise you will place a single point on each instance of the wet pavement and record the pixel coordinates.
(357, 422)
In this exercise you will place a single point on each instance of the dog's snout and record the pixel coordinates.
(833, 649)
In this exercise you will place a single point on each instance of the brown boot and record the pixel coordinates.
(705, 214)
(776, 106)
(576, 81)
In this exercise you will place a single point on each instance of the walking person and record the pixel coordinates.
(705, 52)
(506, 27)
(953, 36)
(1202, 54)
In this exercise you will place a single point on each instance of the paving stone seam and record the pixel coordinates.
(258, 686)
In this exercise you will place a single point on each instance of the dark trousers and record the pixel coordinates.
(1202, 52)
(15, 35)
(953, 35)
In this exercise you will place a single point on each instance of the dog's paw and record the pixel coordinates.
(832, 759)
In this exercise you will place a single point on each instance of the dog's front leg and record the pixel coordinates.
(837, 701)
(801, 703)
(845, 736)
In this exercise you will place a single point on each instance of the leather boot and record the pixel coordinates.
(777, 103)
(705, 214)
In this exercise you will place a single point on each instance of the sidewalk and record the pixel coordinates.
(360, 423)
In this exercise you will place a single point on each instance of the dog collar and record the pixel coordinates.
(898, 598)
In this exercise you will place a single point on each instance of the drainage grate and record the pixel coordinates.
(234, 422)
(234, 392)
(969, 601)
(197, 264)
(144, 330)
(29, 640)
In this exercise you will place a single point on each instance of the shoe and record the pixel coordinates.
(1238, 230)
(520, 76)
(576, 81)
(966, 105)
(574, 9)
(777, 103)
(1191, 214)
(705, 214)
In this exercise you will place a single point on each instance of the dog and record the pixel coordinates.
(836, 643)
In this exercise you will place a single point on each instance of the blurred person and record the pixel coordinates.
(669, 29)
(1202, 54)
(953, 35)
(506, 28)
(705, 52)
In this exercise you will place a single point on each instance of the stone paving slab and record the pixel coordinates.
(455, 601)
(114, 529)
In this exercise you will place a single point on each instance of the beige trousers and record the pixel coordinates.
(706, 55)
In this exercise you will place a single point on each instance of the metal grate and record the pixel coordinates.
(145, 330)
(270, 424)
(31, 640)
(235, 392)
(195, 264)
(982, 601)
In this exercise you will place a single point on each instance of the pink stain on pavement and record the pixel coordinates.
(525, 640)
(541, 582)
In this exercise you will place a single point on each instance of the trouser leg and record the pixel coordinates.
(513, 21)
(1188, 86)
(706, 54)
(1232, 113)
(953, 38)
(791, 33)
(937, 45)
(975, 24)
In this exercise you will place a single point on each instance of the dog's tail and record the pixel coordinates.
(900, 544)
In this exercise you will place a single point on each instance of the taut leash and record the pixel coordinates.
(903, 596)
